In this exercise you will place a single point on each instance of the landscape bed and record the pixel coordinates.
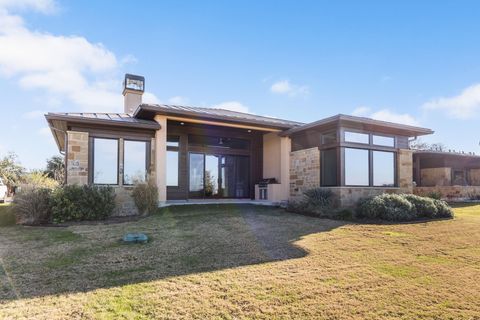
(229, 261)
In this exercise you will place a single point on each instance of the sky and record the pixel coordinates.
(412, 62)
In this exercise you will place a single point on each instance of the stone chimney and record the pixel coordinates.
(133, 88)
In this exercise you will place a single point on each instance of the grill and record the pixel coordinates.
(263, 187)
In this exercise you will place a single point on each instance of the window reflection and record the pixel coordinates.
(383, 141)
(356, 167)
(135, 161)
(105, 161)
(356, 137)
(383, 169)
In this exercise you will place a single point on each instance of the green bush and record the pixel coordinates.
(436, 195)
(402, 207)
(145, 196)
(317, 202)
(77, 203)
(425, 206)
(33, 206)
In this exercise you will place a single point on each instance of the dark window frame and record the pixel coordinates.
(91, 167)
(177, 150)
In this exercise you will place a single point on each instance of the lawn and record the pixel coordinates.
(234, 262)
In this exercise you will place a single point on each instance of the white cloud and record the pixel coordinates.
(179, 100)
(149, 97)
(292, 90)
(462, 106)
(232, 106)
(64, 68)
(386, 115)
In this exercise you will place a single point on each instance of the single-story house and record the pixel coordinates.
(197, 153)
(452, 175)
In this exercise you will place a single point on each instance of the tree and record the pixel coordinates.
(421, 145)
(11, 171)
(56, 169)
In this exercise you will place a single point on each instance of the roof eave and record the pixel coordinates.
(115, 123)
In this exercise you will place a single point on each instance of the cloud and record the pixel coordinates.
(45, 131)
(149, 97)
(65, 68)
(232, 106)
(35, 114)
(178, 100)
(386, 115)
(287, 88)
(462, 106)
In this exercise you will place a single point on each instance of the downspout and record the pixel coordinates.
(63, 153)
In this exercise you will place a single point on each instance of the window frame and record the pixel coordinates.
(147, 159)
(384, 136)
(91, 167)
(369, 166)
(394, 154)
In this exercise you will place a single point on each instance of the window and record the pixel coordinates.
(383, 169)
(105, 161)
(218, 142)
(173, 145)
(197, 168)
(384, 141)
(328, 174)
(356, 167)
(356, 137)
(134, 161)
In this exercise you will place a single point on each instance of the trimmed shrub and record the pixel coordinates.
(77, 203)
(391, 207)
(33, 206)
(425, 207)
(145, 196)
(402, 207)
(443, 209)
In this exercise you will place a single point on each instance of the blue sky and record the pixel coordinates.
(413, 62)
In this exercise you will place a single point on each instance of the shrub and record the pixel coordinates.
(317, 202)
(402, 207)
(145, 196)
(38, 180)
(434, 195)
(392, 207)
(76, 203)
(33, 206)
(425, 206)
(443, 209)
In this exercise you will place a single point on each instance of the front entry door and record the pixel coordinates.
(219, 176)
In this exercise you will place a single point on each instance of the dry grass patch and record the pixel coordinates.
(236, 262)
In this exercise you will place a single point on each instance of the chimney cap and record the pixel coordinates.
(134, 82)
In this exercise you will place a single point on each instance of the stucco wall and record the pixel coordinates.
(77, 157)
(431, 177)
(304, 171)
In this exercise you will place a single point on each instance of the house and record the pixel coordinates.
(203, 153)
(453, 175)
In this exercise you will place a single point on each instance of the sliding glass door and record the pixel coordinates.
(219, 176)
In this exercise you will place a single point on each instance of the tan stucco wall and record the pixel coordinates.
(405, 170)
(77, 157)
(161, 158)
(304, 171)
(431, 177)
(276, 164)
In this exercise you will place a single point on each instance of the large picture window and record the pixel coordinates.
(356, 167)
(134, 161)
(328, 161)
(383, 169)
(105, 161)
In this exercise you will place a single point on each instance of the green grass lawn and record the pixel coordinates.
(232, 262)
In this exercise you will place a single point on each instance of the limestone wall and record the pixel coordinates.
(304, 171)
(349, 196)
(449, 192)
(431, 177)
(475, 177)
(405, 170)
(77, 157)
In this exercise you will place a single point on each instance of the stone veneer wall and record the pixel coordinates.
(304, 171)
(405, 170)
(349, 196)
(77, 157)
(449, 192)
(431, 177)
(475, 177)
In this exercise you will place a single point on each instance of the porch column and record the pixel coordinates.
(160, 158)
(285, 148)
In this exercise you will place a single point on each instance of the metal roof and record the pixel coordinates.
(446, 153)
(149, 110)
(346, 120)
(116, 119)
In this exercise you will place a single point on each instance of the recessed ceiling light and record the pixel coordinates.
(249, 130)
(182, 123)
